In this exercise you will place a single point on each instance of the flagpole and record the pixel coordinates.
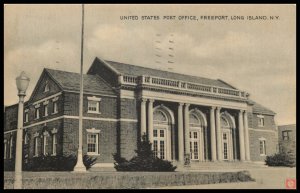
(79, 167)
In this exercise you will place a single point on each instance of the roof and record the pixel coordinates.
(128, 69)
(290, 126)
(71, 81)
(258, 108)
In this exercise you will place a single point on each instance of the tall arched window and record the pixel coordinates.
(162, 119)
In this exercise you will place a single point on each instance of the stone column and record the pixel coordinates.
(180, 134)
(247, 145)
(219, 134)
(234, 144)
(143, 117)
(150, 120)
(241, 136)
(187, 129)
(213, 134)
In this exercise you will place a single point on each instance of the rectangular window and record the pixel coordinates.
(37, 113)
(45, 110)
(286, 135)
(93, 107)
(36, 147)
(262, 147)
(54, 104)
(261, 121)
(155, 148)
(54, 144)
(92, 142)
(154, 133)
(5, 153)
(11, 147)
(162, 149)
(26, 117)
(45, 145)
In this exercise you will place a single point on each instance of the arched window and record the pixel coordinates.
(194, 119)
(224, 122)
(159, 116)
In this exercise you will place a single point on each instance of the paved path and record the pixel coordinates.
(266, 178)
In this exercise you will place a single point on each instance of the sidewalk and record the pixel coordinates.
(266, 178)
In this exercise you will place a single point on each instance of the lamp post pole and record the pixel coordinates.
(22, 83)
(79, 167)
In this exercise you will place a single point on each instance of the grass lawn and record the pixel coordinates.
(121, 180)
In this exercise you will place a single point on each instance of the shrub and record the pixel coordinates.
(143, 161)
(52, 163)
(281, 159)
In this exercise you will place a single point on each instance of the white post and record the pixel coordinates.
(241, 136)
(150, 120)
(219, 134)
(187, 129)
(143, 117)
(213, 134)
(246, 136)
(79, 167)
(19, 145)
(180, 134)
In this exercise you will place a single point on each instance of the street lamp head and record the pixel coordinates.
(22, 83)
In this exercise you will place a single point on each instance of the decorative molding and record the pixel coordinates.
(93, 130)
(90, 93)
(94, 98)
(37, 106)
(47, 98)
(36, 134)
(46, 102)
(54, 130)
(262, 130)
(262, 138)
(26, 110)
(46, 133)
(55, 99)
(260, 116)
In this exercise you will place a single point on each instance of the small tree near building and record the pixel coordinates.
(143, 161)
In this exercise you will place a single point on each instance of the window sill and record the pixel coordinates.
(35, 156)
(54, 113)
(95, 154)
(263, 155)
(45, 116)
(36, 118)
(53, 154)
(92, 112)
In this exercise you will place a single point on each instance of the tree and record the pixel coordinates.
(144, 160)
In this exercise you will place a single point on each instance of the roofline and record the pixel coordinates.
(227, 84)
(45, 70)
(108, 65)
(287, 125)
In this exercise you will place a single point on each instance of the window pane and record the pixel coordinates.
(162, 149)
(155, 147)
(162, 133)
(195, 135)
(154, 133)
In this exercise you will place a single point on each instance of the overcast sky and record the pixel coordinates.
(253, 55)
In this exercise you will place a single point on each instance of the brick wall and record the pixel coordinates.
(11, 117)
(268, 119)
(271, 144)
(290, 144)
(108, 106)
(107, 137)
(39, 92)
(104, 72)
(31, 111)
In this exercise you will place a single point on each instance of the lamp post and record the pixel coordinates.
(22, 82)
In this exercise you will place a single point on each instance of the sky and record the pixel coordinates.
(256, 56)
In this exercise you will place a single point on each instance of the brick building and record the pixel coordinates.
(287, 138)
(184, 116)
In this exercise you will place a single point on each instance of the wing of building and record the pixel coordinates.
(184, 116)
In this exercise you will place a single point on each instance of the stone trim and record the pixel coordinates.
(262, 130)
(47, 98)
(93, 98)
(93, 130)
